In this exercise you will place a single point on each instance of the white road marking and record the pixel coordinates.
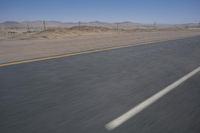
(137, 109)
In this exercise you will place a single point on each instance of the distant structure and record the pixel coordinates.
(44, 25)
(28, 28)
(117, 26)
(79, 25)
(154, 25)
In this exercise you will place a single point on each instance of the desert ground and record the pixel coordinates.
(20, 44)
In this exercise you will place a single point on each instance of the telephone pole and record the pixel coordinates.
(79, 25)
(28, 28)
(154, 25)
(117, 26)
(44, 25)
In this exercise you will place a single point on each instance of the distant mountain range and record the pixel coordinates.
(126, 24)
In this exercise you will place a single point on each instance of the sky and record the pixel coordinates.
(143, 11)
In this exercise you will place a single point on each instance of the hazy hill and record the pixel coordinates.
(123, 25)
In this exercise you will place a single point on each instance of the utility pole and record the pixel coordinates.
(44, 25)
(28, 28)
(117, 27)
(79, 25)
(154, 25)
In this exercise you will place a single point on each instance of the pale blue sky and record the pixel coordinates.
(145, 11)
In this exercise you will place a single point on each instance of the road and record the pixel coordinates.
(82, 93)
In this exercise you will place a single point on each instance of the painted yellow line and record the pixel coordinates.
(79, 53)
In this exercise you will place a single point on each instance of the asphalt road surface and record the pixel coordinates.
(82, 93)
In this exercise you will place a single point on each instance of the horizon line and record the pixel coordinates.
(112, 22)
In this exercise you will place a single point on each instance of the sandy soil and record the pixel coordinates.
(16, 50)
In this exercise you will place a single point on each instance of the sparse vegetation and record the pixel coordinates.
(55, 30)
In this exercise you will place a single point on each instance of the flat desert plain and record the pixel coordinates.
(59, 41)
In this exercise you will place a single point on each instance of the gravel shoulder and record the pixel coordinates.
(17, 50)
